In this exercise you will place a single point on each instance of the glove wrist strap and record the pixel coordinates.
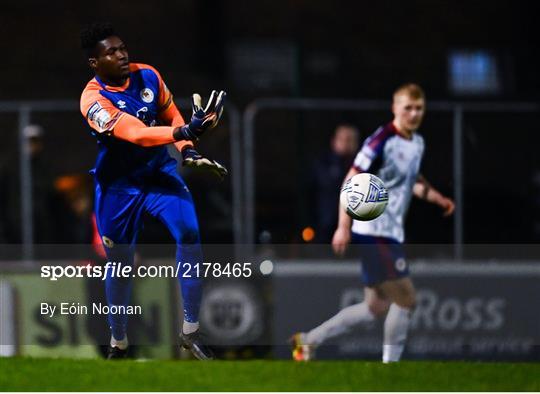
(184, 133)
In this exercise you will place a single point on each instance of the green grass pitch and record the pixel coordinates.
(27, 374)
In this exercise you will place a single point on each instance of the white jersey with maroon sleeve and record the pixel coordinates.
(396, 160)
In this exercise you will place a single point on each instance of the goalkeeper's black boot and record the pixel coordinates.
(115, 353)
(193, 343)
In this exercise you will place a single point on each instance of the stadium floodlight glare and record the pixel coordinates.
(473, 72)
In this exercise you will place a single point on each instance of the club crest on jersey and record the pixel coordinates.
(147, 95)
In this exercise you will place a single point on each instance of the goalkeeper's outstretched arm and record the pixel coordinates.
(131, 129)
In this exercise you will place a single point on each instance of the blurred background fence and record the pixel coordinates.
(482, 153)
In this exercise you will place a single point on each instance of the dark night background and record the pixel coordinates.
(339, 49)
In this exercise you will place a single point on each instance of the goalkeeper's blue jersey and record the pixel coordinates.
(122, 164)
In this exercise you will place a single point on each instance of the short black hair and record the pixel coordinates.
(93, 33)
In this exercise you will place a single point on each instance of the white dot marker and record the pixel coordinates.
(266, 267)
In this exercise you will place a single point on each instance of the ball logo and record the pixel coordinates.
(363, 197)
(147, 95)
(377, 192)
(355, 199)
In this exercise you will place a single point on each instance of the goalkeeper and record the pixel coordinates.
(133, 116)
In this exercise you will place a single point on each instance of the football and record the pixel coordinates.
(364, 197)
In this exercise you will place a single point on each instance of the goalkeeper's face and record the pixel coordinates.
(112, 61)
(408, 112)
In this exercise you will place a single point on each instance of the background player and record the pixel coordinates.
(132, 114)
(326, 176)
(393, 153)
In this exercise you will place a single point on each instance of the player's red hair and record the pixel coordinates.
(412, 90)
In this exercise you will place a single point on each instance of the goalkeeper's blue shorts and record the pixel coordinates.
(119, 212)
(382, 258)
(119, 219)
